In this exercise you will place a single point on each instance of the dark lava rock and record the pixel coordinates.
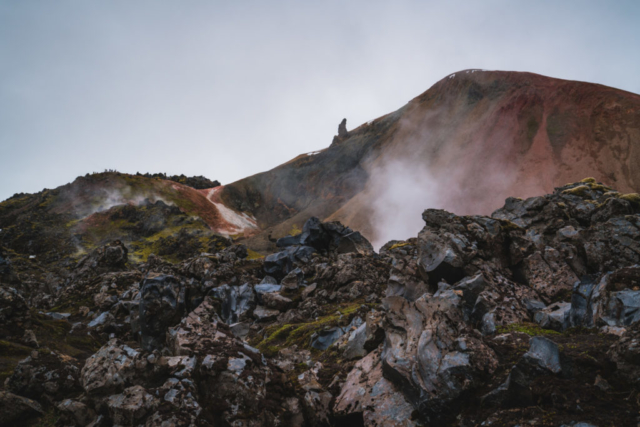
(45, 374)
(162, 305)
(543, 358)
(236, 301)
(281, 263)
(17, 410)
(322, 340)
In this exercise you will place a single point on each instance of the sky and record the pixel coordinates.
(230, 89)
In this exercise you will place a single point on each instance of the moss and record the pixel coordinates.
(283, 336)
(589, 180)
(253, 255)
(530, 329)
(399, 245)
(580, 190)
(507, 225)
(633, 198)
(295, 230)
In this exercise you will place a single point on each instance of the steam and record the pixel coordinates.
(403, 193)
(125, 196)
(428, 170)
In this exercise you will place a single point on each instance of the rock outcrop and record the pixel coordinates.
(475, 320)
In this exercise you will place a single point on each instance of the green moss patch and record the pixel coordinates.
(531, 329)
(282, 336)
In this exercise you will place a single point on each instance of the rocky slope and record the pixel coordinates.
(525, 317)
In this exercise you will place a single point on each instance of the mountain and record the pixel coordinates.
(471, 140)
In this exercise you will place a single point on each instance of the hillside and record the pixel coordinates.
(150, 214)
(471, 140)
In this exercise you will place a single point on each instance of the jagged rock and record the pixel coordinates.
(76, 412)
(319, 404)
(342, 128)
(236, 301)
(613, 301)
(276, 301)
(102, 320)
(354, 348)
(548, 274)
(443, 255)
(428, 351)
(285, 242)
(366, 337)
(367, 392)
(240, 329)
(264, 314)
(281, 263)
(45, 374)
(111, 257)
(131, 406)
(556, 316)
(268, 285)
(328, 236)
(293, 280)
(306, 292)
(186, 337)
(322, 340)
(162, 304)
(234, 380)
(17, 409)
(111, 369)
(543, 358)
(533, 306)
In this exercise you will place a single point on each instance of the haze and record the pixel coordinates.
(227, 90)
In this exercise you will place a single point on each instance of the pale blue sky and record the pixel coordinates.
(229, 89)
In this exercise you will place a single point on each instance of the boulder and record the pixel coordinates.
(111, 369)
(367, 393)
(543, 358)
(556, 316)
(281, 263)
(45, 374)
(17, 410)
(76, 412)
(131, 406)
(276, 301)
(236, 301)
(431, 355)
(264, 314)
(549, 274)
(162, 305)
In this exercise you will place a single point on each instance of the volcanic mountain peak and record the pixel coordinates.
(471, 140)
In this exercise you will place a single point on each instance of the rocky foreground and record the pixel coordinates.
(527, 317)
